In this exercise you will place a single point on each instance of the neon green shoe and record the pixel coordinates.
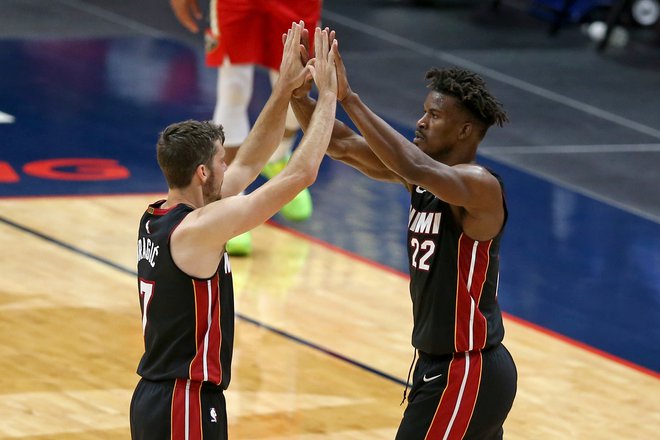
(240, 246)
(272, 169)
(301, 207)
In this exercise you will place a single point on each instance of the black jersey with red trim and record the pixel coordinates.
(187, 322)
(453, 280)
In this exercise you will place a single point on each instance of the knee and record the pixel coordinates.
(235, 88)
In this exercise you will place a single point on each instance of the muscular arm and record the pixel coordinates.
(269, 127)
(206, 230)
(474, 192)
(467, 186)
(259, 144)
(345, 145)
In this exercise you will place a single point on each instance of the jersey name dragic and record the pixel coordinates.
(453, 281)
(187, 323)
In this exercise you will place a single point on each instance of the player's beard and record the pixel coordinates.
(211, 189)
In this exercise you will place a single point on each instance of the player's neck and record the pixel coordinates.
(183, 196)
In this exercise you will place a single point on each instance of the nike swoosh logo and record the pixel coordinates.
(420, 190)
(429, 379)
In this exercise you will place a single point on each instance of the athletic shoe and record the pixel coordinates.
(240, 246)
(301, 207)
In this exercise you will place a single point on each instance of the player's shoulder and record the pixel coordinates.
(478, 172)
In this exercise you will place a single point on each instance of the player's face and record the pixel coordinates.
(438, 128)
(213, 186)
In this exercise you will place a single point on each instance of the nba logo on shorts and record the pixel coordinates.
(214, 416)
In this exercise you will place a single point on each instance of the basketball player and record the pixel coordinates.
(240, 37)
(464, 382)
(184, 275)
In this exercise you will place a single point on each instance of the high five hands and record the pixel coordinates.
(328, 47)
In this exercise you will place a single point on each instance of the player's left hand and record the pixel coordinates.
(305, 55)
(293, 71)
(343, 88)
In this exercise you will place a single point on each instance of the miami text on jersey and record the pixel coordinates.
(424, 222)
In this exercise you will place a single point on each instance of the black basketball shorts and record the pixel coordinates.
(178, 409)
(460, 396)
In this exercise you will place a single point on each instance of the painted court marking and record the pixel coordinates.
(318, 347)
(6, 118)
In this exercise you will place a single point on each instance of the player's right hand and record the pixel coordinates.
(187, 12)
(323, 69)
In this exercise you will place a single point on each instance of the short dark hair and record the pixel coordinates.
(470, 90)
(183, 146)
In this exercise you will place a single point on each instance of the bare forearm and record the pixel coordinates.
(303, 108)
(309, 153)
(390, 146)
(345, 144)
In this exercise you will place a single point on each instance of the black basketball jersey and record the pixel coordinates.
(453, 281)
(187, 323)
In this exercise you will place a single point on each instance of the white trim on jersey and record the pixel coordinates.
(473, 305)
(187, 416)
(209, 290)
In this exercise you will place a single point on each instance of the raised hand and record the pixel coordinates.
(305, 54)
(343, 88)
(323, 68)
(187, 12)
(292, 70)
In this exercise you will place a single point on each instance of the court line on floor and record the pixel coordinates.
(490, 73)
(561, 183)
(240, 316)
(518, 320)
(65, 245)
(353, 256)
(6, 118)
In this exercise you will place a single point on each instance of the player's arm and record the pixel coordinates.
(468, 186)
(204, 232)
(268, 130)
(345, 144)
(187, 12)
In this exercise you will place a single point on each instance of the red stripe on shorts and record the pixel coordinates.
(452, 417)
(186, 410)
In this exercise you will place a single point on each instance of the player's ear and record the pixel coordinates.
(202, 172)
(466, 130)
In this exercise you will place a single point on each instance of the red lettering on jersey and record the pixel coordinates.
(77, 169)
(7, 173)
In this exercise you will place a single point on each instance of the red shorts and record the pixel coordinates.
(250, 31)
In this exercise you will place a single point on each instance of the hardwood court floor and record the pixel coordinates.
(70, 340)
